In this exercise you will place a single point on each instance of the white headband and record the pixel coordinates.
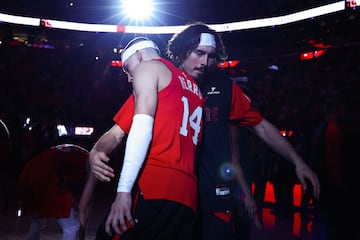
(138, 46)
(207, 39)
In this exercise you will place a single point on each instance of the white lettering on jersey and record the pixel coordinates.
(190, 86)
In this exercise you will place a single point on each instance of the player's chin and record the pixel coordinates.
(197, 74)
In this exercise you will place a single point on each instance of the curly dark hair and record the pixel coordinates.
(183, 43)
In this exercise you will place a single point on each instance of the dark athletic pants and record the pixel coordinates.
(156, 219)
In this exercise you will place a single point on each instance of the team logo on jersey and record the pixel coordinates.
(213, 91)
(222, 191)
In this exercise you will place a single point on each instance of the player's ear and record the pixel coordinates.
(139, 55)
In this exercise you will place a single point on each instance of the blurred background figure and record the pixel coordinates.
(328, 160)
(45, 186)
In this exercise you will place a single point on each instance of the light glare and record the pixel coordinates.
(138, 9)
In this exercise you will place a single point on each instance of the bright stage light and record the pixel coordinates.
(138, 9)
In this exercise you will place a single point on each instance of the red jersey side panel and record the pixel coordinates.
(124, 116)
(241, 108)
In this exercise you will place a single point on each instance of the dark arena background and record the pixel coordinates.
(57, 82)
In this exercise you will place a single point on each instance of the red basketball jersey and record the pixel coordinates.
(168, 171)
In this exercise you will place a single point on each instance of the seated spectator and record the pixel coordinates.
(45, 191)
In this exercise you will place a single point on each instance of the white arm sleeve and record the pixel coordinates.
(137, 145)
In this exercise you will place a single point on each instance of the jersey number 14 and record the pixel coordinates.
(194, 119)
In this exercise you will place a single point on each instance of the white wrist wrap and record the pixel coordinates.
(137, 145)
